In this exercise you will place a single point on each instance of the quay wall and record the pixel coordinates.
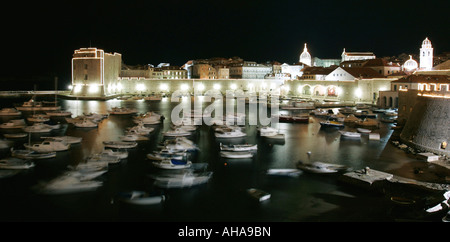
(428, 125)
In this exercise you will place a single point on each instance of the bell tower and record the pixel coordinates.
(426, 55)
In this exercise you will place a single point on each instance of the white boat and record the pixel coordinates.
(14, 124)
(153, 98)
(120, 144)
(10, 112)
(90, 166)
(141, 129)
(321, 167)
(158, 156)
(236, 154)
(179, 144)
(65, 138)
(48, 146)
(258, 194)
(38, 128)
(349, 134)
(15, 163)
(101, 157)
(69, 184)
(172, 164)
(38, 118)
(238, 147)
(122, 110)
(31, 154)
(121, 154)
(267, 131)
(148, 118)
(15, 135)
(32, 105)
(59, 113)
(85, 123)
(235, 133)
(183, 180)
(140, 198)
(363, 131)
(133, 137)
(331, 123)
(284, 172)
(177, 132)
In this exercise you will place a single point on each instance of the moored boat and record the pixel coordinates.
(321, 167)
(31, 154)
(15, 163)
(120, 144)
(350, 134)
(258, 194)
(141, 197)
(236, 154)
(238, 147)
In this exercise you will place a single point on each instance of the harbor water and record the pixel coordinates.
(306, 198)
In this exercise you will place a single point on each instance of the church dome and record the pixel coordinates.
(305, 57)
(410, 64)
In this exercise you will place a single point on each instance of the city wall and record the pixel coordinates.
(428, 125)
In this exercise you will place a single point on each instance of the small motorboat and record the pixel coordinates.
(122, 110)
(238, 147)
(38, 128)
(172, 164)
(67, 139)
(120, 144)
(235, 133)
(15, 135)
(10, 112)
(258, 194)
(85, 123)
(284, 172)
(363, 131)
(31, 154)
(331, 123)
(349, 134)
(177, 132)
(15, 163)
(121, 154)
(133, 137)
(141, 197)
(321, 167)
(236, 154)
(48, 146)
(187, 179)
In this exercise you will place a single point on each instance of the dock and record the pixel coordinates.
(378, 180)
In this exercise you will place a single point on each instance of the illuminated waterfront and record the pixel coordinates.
(309, 197)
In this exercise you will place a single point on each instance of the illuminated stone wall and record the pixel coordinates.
(428, 125)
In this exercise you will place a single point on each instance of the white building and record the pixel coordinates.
(349, 56)
(426, 55)
(410, 64)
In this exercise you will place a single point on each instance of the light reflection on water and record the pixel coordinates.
(309, 197)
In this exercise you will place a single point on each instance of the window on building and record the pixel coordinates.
(85, 66)
(85, 77)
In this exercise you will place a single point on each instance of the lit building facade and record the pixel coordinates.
(94, 72)
(349, 56)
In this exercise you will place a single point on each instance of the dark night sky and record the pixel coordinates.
(39, 37)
